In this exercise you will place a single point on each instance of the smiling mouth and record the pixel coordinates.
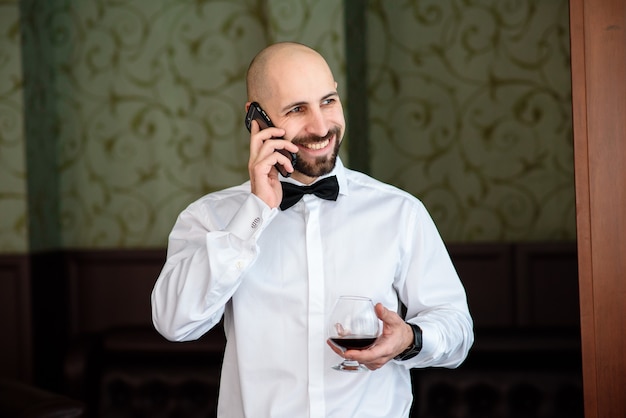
(317, 145)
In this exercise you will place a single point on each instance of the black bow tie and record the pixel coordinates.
(327, 188)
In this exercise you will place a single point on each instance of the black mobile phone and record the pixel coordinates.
(255, 112)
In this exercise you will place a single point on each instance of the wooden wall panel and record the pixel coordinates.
(15, 344)
(111, 289)
(547, 285)
(486, 271)
(508, 285)
(78, 295)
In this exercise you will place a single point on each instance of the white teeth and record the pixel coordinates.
(317, 145)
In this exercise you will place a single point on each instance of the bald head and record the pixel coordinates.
(261, 72)
(296, 88)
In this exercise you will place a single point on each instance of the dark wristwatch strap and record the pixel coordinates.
(415, 348)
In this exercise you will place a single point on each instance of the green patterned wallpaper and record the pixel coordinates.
(13, 206)
(146, 103)
(134, 109)
(470, 109)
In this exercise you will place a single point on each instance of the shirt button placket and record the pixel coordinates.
(316, 331)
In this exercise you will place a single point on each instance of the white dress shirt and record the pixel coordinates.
(275, 275)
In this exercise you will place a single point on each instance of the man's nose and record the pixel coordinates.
(316, 125)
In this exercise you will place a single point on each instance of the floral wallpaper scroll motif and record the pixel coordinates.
(317, 23)
(149, 99)
(159, 91)
(13, 198)
(136, 111)
(471, 101)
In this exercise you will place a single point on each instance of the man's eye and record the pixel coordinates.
(296, 109)
(328, 101)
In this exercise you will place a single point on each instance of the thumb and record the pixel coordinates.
(389, 318)
(382, 313)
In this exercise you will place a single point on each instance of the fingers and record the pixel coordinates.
(373, 358)
(261, 166)
(377, 363)
(334, 347)
(261, 148)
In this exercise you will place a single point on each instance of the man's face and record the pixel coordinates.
(303, 101)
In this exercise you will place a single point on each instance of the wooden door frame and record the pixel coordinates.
(598, 53)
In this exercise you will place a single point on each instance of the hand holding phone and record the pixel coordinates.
(255, 112)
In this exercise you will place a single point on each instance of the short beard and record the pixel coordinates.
(321, 165)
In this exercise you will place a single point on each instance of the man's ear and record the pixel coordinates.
(248, 106)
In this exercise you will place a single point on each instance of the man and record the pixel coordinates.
(275, 273)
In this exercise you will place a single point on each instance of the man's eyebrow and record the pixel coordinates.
(331, 94)
(296, 104)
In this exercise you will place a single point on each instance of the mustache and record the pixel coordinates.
(311, 139)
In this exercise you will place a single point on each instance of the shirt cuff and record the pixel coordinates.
(251, 218)
(429, 344)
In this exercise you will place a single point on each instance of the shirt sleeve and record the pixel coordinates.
(204, 266)
(434, 296)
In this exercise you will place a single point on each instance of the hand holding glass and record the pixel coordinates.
(353, 325)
